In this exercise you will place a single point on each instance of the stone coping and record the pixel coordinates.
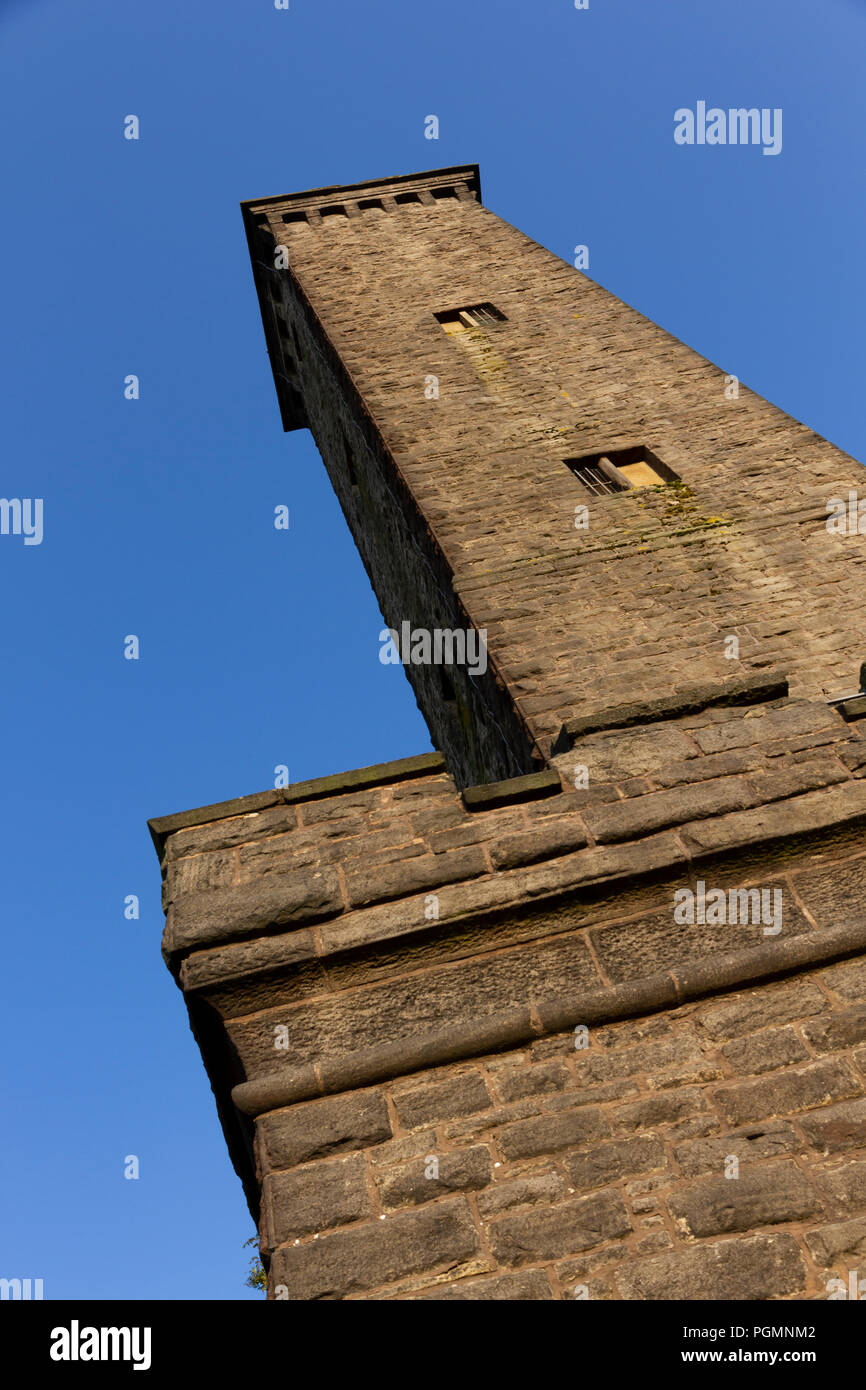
(516, 1027)
(317, 788)
(484, 797)
(488, 795)
(852, 708)
(745, 690)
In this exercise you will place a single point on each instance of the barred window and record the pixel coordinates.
(473, 316)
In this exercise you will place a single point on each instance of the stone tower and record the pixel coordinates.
(575, 1007)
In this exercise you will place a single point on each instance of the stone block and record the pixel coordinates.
(464, 1170)
(438, 1236)
(441, 1098)
(316, 1196)
(549, 1233)
(319, 1128)
(546, 1134)
(803, 1088)
(767, 1194)
(743, 1271)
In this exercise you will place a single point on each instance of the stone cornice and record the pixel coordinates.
(514, 1027)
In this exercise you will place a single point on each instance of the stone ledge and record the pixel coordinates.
(316, 789)
(515, 1027)
(746, 690)
(531, 787)
(791, 820)
(855, 708)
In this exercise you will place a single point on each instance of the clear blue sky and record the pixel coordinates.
(260, 647)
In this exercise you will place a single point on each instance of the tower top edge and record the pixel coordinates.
(426, 178)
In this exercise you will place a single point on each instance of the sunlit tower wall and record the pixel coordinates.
(575, 1006)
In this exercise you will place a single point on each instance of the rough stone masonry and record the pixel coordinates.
(464, 1038)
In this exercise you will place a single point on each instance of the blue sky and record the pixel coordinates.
(260, 647)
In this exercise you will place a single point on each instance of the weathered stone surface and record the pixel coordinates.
(748, 1145)
(438, 1236)
(798, 818)
(316, 1196)
(323, 1127)
(795, 717)
(538, 1234)
(439, 999)
(689, 700)
(836, 1127)
(489, 1120)
(845, 1186)
(764, 1195)
(759, 1267)
(849, 979)
(833, 895)
(278, 899)
(532, 1080)
(488, 795)
(631, 950)
(838, 1239)
(549, 1133)
(753, 1009)
(593, 1095)
(542, 842)
(660, 1057)
(803, 1088)
(441, 1098)
(606, 1163)
(693, 769)
(502, 1196)
(380, 881)
(839, 1031)
(766, 1051)
(610, 757)
(665, 1109)
(631, 819)
(234, 830)
(773, 784)
(463, 1171)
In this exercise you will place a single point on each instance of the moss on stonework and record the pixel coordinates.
(680, 505)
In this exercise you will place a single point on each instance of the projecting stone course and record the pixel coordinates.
(628, 1198)
(606, 1168)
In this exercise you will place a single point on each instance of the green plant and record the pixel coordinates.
(257, 1278)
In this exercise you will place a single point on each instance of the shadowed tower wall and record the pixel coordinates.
(494, 1022)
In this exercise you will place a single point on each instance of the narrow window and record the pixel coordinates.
(621, 470)
(474, 316)
(593, 477)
